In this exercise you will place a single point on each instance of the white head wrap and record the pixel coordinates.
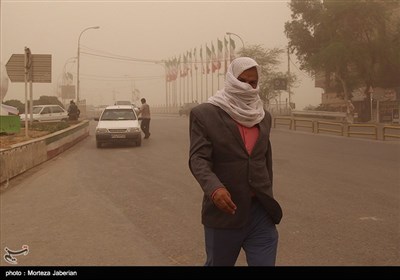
(239, 100)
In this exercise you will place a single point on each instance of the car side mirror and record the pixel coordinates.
(96, 119)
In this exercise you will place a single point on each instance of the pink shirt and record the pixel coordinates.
(249, 136)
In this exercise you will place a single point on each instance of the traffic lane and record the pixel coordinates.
(156, 189)
(64, 223)
(340, 198)
(59, 211)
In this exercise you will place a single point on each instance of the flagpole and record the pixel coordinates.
(206, 73)
(230, 48)
(197, 85)
(212, 66)
(187, 87)
(191, 78)
(218, 80)
(201, 77)
(180, 85)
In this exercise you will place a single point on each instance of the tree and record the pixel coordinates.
(17, 104)
(268, 59)
(356, 42)
(48, 100)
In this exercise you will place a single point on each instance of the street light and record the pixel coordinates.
(79, 54)
(230, 33)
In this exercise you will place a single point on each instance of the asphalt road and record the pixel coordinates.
(140, 206)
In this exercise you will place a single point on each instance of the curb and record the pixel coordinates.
(24, 156)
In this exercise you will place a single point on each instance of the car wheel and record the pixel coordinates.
(139, 142)
(98, 144)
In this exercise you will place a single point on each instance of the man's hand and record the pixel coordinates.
(222, 199)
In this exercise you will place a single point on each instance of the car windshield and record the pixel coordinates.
(118, 114)
(36, 110)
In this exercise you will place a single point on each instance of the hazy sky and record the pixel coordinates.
(153, 30)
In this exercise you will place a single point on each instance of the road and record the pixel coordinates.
(123, 205)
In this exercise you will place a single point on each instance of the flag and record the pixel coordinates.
(168, 71)
(189, 64)
(201, 61)
(175, 67)
(179, 68)
(214, 61)
(219, 54)
(195, 59)
(232, 48)
(208, 58)
(183, 68)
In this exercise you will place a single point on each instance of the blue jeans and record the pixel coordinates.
(258, 238)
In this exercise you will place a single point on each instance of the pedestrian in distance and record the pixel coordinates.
(350, 112)
(231, 158)
(73, 111)
(144, 112)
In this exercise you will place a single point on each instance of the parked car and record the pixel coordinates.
(118, 124)
(186, 108)
(46, 113)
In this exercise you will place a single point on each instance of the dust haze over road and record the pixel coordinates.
(123, 205)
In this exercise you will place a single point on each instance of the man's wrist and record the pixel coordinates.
(215, 191)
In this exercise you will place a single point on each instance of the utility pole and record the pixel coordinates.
(288, 84)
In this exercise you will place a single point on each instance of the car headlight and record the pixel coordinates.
(133, 129)
(101, 130)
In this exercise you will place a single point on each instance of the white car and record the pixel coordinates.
(118, 124)
(46, 113)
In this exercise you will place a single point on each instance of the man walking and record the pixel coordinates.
(231, 159)
(144, 112)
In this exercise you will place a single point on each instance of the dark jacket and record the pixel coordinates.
(218, 158)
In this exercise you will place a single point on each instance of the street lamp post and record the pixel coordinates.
(230, 33)
(79, 54)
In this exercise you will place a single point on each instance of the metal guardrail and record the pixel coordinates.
(343, 129)
(329, 129)
(285, 119)
(320, 114)
(374, 133)
(310, 122)
(389, 134)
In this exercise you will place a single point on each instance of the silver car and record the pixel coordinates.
(118, 124)
(46, 113)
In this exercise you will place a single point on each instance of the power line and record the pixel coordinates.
(122, 58)
(120, 80)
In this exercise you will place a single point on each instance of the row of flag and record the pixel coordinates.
(212, 62)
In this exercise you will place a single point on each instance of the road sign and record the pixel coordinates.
(280, 84)
(41, 68)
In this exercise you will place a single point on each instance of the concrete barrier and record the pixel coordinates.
(23, 156)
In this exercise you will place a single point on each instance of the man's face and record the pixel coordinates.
(249, 76)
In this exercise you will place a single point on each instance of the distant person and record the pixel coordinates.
(73, 111)
(231, 158)
(144, 112)
(350, 112)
